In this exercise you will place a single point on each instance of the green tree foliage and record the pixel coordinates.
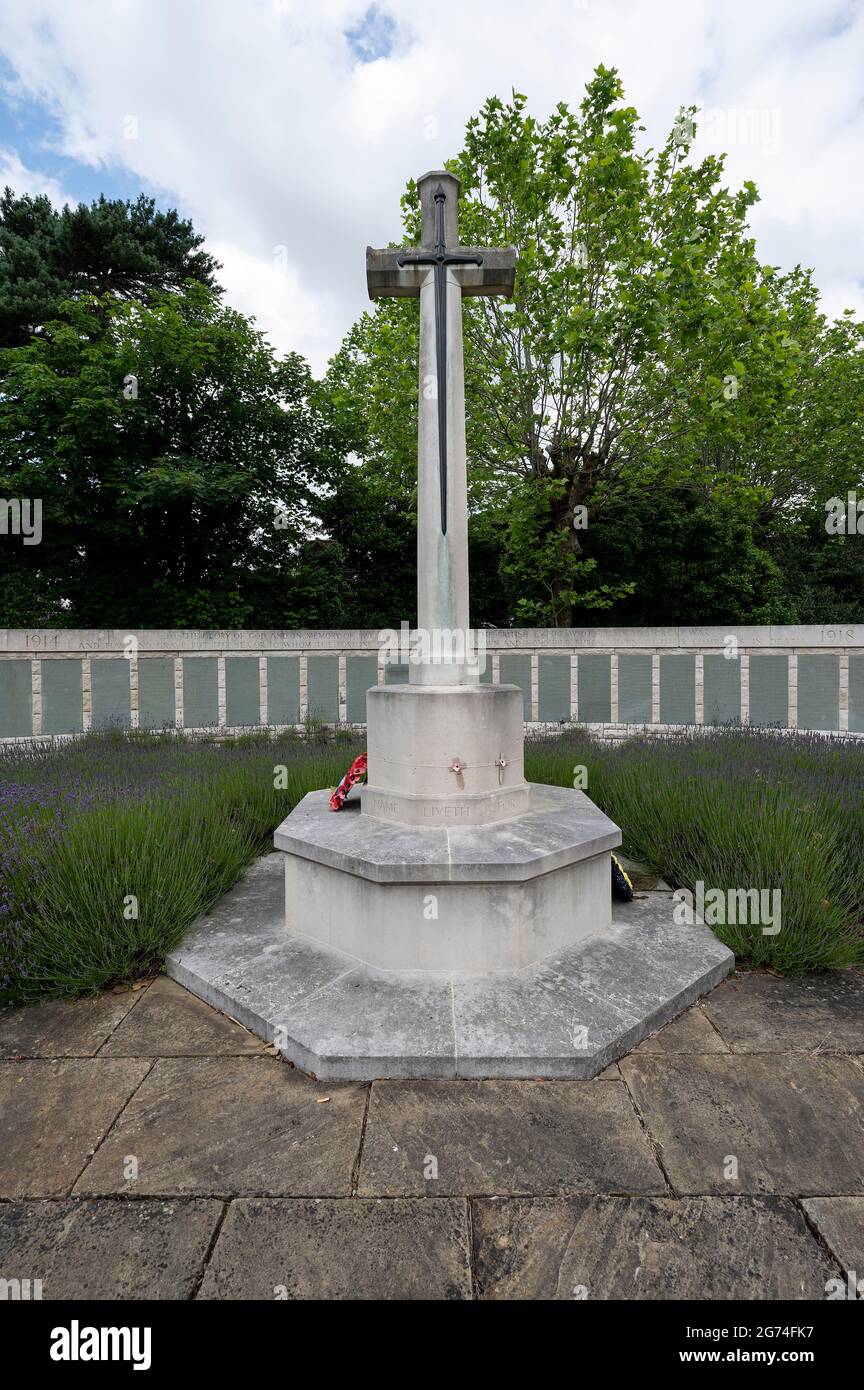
(646, 350)
(177, 461)
(691, 556)
(47, 256)
(655, 423)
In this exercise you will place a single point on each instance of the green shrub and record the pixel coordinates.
(739, 809)
(166, 819)
(171, 821)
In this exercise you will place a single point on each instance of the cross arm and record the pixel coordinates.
(497, 274)
(385, 277)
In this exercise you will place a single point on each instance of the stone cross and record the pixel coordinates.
(440, 271)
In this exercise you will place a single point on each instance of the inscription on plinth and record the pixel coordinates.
(411, 811)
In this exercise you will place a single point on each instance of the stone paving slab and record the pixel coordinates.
(341, 1250)
(108, 1249)
(240, 958)
(562, 1176)
(793, 1123)
(53, 1114)
(59, 1028)
(646, 1248)
(205, 1126)
(647, 925)
(637, 988)
(537, 1022)
(840, 1223)
(171, 1022)
(258, 990)
(757, 1012)
(690, 1034)
(504, 1137)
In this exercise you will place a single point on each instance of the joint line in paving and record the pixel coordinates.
(711, 1024)
(139, 995)
(208, 1253)
(472, 1268)
(355, 1171)
(655, 1147)
(90, 1157)
(817, 1234)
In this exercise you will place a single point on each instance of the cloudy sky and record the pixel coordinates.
(286, 128)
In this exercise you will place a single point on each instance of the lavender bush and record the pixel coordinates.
(95, 831)
(740, 809)
(113, 824)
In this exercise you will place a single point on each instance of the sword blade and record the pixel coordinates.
(441, 364)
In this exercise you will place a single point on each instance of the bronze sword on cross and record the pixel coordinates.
(399, 272)
(440, 259)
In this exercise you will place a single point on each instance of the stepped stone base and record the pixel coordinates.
(472, 899)
(568, 1015)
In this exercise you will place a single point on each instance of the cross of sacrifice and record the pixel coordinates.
(440, 271)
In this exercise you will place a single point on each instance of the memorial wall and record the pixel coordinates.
(62, 682)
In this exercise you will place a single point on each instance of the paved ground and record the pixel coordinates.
(151, 1148)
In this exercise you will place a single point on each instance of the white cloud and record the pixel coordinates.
(270, 290)
(258, 120)
(23, 180)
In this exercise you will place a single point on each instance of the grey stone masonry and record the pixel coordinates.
(169, 641)
(568, 1015)
(513, 850)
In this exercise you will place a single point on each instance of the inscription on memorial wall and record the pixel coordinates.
(524, 658)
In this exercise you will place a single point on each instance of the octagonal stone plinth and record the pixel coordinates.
(568, 1015)
(472, 899)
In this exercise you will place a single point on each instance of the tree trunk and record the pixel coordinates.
(578, 475)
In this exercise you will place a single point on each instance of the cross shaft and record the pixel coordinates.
(440, 259)
(440, 271)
